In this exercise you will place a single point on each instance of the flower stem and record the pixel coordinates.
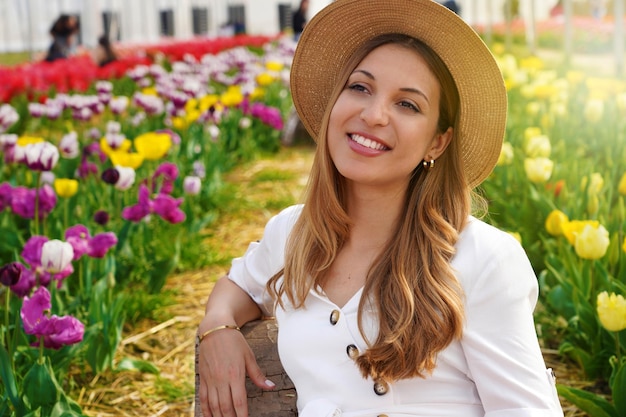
(37, 184)
(5, 333)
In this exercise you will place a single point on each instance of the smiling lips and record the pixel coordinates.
(368, 143)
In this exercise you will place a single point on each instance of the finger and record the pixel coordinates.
(239, 396)
(256, 375)
(203, 398)
(225, 403)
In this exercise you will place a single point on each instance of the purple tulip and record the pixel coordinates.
(10, 274)
(82, 242)
(63, 331)
(7, 140)
(28, 281)
(110, 176)
(168, 208)
(101, 217)
(101, 243)
(23, 201)
(164, 205)
(86, 168)
(169, 172)
(6, 192)
(141, 209)
(56, 331)
(33, 312)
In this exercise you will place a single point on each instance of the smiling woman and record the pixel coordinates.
(390, 297)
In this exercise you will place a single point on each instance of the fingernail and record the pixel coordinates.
(269, 383)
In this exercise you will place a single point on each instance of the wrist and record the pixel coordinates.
(201, 335)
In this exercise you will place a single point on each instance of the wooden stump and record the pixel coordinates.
(281, 401)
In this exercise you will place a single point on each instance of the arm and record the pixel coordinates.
(225, 356)
(500, 342)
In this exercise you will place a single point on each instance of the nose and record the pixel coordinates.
(375, 113)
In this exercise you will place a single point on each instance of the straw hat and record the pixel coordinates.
(335, 32)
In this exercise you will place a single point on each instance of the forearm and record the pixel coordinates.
(228, 304)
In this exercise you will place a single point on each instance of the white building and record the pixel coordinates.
(25, 24)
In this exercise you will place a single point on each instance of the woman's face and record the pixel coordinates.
(384, 122)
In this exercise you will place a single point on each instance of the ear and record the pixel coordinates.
(440, 143)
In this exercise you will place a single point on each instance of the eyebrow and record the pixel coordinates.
(406, 89)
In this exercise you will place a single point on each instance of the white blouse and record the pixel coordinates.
(495, 370)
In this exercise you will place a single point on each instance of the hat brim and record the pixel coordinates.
(334, 34)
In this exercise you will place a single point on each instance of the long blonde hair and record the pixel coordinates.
(411, 284)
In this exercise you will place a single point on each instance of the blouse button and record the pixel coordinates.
(380, 388)
(352, 351)
(382, 415)
(334, 317)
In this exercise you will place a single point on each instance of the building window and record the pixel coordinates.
(200, 20)
(237, 18)
(166, 17)
(284, 17)
(111, 25)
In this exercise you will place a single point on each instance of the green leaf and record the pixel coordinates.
(66, 407)
(8, 379)
(590, 403)
(618, 387)
(128, 364)
(40, 387)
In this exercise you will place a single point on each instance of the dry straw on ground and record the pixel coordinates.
(260, 186)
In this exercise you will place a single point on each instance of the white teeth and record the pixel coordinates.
(368, 143)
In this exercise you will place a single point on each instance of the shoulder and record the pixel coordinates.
(280, 225)
(488, 256)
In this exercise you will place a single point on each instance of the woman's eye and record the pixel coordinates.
(357, 87)
(410, 106)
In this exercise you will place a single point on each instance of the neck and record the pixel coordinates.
(374, 215)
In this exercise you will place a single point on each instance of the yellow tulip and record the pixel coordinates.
(207, 101)
(532, 63)
(538, 170)
(622, 185)
(592, 242)
(555, 221)
(612, 311)
(593, 183)
(533, 108)
(153, 145)
(274, 66)
(575, 77)
(545, 91)
(232, 96)
(126, 159)
(572, 228)
(531, 132)
(191, 104)
(150, 91)
(538, 146)
(624, 245)
(27, 140)
(65, 187)
(264, 79)
(506, 154)
(107, 150)
(594, 109)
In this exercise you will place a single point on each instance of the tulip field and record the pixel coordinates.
(111, 177)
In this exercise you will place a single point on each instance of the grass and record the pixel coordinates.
(10, 59)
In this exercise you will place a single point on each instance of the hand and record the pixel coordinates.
(224, 359)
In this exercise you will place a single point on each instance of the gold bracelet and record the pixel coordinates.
(223, 326)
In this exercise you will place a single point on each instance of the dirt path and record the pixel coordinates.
(262, 188)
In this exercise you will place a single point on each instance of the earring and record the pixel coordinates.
(428, 165)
